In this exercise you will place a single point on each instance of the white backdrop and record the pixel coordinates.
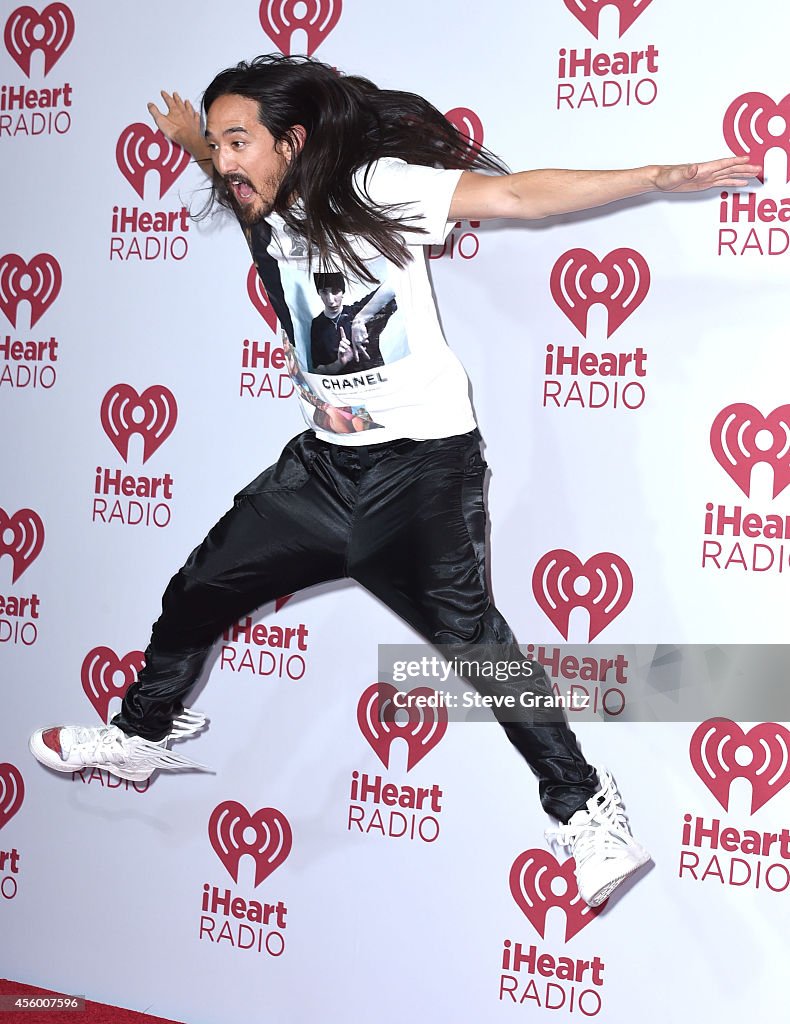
(106, 286)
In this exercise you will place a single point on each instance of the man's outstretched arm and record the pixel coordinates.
(181, 124)
(532, 195)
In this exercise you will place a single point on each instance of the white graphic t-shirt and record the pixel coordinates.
(369, 360)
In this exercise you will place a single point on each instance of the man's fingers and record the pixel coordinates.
(734, 165)
(733, 161)
(729, 172)
(747, 170)
(725, 163)
(155, 113)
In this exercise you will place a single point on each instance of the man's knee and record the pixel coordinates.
(194, 612)
(487, 627)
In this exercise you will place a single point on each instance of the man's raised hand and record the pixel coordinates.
(181, 124)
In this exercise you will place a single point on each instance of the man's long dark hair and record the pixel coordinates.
(349, 123)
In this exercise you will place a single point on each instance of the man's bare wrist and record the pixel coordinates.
(650, 177)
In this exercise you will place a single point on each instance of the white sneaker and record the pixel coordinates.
(70, 748)
(601, 843)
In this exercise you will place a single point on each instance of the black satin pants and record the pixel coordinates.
(405, 519)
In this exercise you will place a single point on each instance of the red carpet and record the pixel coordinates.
(94, 1013)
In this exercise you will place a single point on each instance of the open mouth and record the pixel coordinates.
(241, 188)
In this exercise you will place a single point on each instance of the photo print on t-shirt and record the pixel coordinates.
(337, 419)
(342, 325)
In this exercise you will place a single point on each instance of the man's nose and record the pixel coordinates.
(225, 161)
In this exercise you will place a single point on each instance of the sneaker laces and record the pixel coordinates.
(602, 828)
(107, 744)
(103, 744)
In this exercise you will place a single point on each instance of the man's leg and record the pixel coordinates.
(288, 530)
(419, 544)
(422, 552)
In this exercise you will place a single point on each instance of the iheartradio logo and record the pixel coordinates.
(22, 538)
(602, 585)
(152, 415)
(27, 31)
(721, 751)
(620, 281)
(141, 149)
(105, 676)
(538, 883)
(421, 728)
(37, 282)
(588, 12)
(12, 792)
(748, 128)
(741, 436)
(260, 299)
(469, 124)
(316, 18)
(235, 833)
